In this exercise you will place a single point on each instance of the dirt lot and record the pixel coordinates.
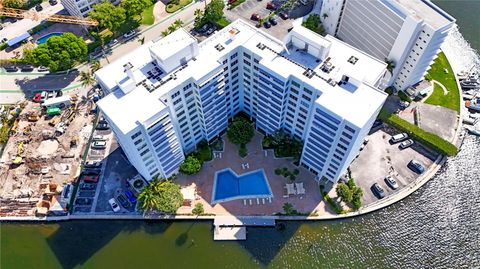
(38, 159)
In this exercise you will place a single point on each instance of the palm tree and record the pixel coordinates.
(172, 28)
(148, 199)
(86, 78)
(165, 33)
(142, 40)
(325, 15)
(178, 23)
(95, 65)
(390, 65)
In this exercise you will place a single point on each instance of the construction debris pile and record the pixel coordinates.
(43, 154)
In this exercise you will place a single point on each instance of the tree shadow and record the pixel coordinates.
(75, 241)
(47, 82)
(183, 237)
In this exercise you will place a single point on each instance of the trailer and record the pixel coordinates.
(60, 102)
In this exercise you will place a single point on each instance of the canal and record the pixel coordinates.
(436, 227)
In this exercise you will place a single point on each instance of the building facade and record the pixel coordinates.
(81, 8)
(407, 32)
(172, 93)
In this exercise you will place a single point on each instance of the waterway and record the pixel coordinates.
(436, 227)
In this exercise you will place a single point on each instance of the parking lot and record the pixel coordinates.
(249, 7)
(380, 158)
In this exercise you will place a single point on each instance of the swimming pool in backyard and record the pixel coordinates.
(230, 186)
(44, 38)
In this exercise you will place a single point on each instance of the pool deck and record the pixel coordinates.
(204, 181)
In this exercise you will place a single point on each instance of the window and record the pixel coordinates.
(175, 94)
(135, 135)
(177, 101)
(233, 56)
(247, 55)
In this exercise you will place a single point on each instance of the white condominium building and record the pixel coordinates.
(81, 8)
(169, 94)
(407, 32)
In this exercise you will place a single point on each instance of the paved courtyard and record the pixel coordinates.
(256, 159)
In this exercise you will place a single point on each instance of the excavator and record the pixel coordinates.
(33, 15)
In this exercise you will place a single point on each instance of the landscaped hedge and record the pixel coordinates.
(428, 139)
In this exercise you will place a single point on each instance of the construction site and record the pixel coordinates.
(43, 154)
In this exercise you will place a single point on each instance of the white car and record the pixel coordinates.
(99, 145)
(99, 138)
(114, 205)
(129, 34)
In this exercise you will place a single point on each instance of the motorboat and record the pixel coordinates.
(475, 130)
(473, 104)
(472, 82)
(469, 121)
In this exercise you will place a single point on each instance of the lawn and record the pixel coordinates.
(172, 6)
(436, 72)
(147, 16)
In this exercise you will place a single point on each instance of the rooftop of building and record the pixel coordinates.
(427, 11)
(343, 74)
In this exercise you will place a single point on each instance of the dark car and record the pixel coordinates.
(88, 186)
(83, 201)
(53, 2)
(102, 126)
(130, 196)
(11, 68)
(416, 166)
(90, 179)
(378, 191)
(405, 144)
(271, 6)
(123, 201)
(255, 17)
(273, 21)
(267, 24)
(38, 7)
(377, 124)
(391, 182)
(27, 68)
(283, 15)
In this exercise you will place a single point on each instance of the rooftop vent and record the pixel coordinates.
(309, 73)
(261, 46)
(219, 47)
(353, 60)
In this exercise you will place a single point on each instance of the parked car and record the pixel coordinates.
(11, 68)
(391, 182)
(416, 166)
(129, 34)
(271, 6)
(267, 24)
(405, 144)
(255, 17)
(4, 40)
(38, 7)
(99, 138)
(130, 196)
(45, 95)
(91, 171)
(42, 69)
(112, 43)
(99, 144)
(27, 68)
(114, 205)
(403, 104)
(283, 15)
(273, 21)
(210, 31)
(90, 179)
(123, 201)
(37, 98)
(398, 138)
(93, 164)
(83, 201)
(102, 126)
(87, 186)
(378, 191)
(53, 2)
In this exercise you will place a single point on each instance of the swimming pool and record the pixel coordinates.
(230, 186)
(44, 38)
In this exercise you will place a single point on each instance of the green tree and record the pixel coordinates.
(108, 16)
(135, 7)
(148, 198)
(59, 52)
(313, 23)
(86, 78)
(178, 23)
(14, 3)
(344, 192)
(289, 209)
(390, 65)
(198, 209)
(214, 11)
(165, 33)
(161, 195)
(172, 28)
(240, 131)
(190, 166)
(95, 65)
(198, 18)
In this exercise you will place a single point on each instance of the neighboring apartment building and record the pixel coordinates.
(169, 94)
(407, 32)
(81, 8)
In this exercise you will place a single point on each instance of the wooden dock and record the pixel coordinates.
(232, 228)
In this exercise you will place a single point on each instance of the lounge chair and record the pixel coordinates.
(258, 201)
(244, 201)
(300, 188)
(270, 200)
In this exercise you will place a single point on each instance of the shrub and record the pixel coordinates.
(292, 177)
(313, 23)
(242, 151)
(198, 209)
(289, 209)
(430, 140)
(389, 90)
(296, 172)
(191, 165)
(278, 171)
(344, 192)
(240, 131)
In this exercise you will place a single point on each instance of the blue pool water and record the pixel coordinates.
(229, 186)
(44, 38)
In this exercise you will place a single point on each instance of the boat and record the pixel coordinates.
(469, 121)
(473, 104)
(475, 130)
(474, 115)
(471, 82)
(468, 96)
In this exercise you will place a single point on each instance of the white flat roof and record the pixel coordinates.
(356, 103)
(127, 110)
(427, 11)
(171, 44)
